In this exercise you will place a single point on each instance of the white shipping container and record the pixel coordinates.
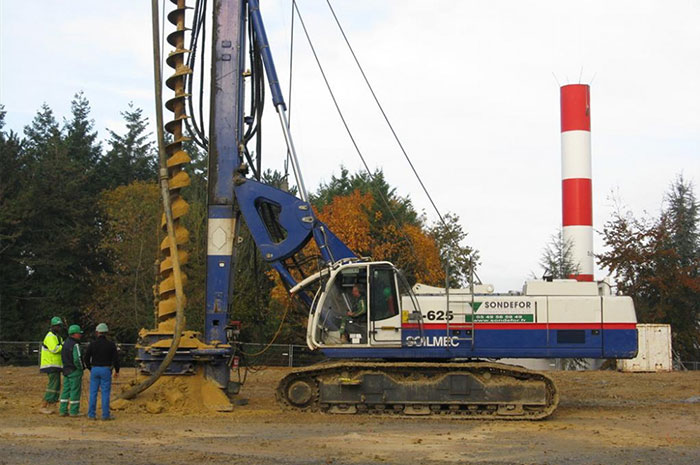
(654, 352)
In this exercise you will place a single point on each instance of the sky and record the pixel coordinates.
(471, 88)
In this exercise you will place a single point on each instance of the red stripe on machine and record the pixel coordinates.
(461, 326)
(575, 108)
(576, 202)
(582, 277)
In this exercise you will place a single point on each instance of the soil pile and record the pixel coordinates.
(184, 395)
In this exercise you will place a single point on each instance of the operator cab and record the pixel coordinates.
(360, 305)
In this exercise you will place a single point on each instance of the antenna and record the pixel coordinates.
(555, 79)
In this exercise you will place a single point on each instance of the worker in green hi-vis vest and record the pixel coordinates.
(72, 373)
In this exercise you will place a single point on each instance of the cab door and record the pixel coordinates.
(384, 311)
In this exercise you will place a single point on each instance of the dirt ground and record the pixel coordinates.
(603, 418)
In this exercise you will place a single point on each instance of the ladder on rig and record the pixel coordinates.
(465, 331)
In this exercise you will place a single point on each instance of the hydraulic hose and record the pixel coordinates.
(165, 191)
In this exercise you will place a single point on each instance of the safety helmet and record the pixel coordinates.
(73, 329)
(102, 328)
(55, 321)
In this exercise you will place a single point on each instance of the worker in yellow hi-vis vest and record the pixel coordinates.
(51, 364)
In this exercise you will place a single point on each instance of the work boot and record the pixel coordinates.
(76, 415)
(109, 418)
(46, 411)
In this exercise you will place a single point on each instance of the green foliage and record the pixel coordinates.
(459, 259)
(556, 259)
(80, 137)
(682, 213)
(656, 262)
(51, 227)
(131, 156)
(13, 175)
(49, 221)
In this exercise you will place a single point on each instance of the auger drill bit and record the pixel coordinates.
(177, 177)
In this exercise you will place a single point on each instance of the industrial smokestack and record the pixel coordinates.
(577, 212)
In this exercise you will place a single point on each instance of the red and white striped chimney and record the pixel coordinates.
(577, 212)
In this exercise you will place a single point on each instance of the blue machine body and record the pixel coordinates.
(436, 344)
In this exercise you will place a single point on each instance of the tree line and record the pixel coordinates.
(51, 179)
(80, 228)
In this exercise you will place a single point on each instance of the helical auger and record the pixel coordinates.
(172, 158)
(177, 176)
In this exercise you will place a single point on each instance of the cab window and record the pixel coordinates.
(383, 301)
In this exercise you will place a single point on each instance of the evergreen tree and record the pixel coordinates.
(459, 259)
(59, 218)
(13, 274)
(683, 212)
(80, 135)
(556, 259)
(131, 156)
(43, 133)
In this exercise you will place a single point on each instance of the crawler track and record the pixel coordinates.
(469, 390)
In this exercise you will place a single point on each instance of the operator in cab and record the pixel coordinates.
(359, 308)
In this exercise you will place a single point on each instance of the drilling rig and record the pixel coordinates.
(409, 350)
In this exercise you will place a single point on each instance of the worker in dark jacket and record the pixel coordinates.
(101, 356)
(72, 373)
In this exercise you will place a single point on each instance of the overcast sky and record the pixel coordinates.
(470, 87)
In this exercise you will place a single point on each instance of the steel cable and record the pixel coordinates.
(347, 129)
(391, 127)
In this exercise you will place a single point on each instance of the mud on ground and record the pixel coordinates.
(603, 418)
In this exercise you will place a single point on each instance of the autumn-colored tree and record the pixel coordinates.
(356, 220)
(661, 277)
(348, 217)
(123, 293)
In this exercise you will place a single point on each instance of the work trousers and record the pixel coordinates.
(53, 388)
(70, 396)
(100, 378)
